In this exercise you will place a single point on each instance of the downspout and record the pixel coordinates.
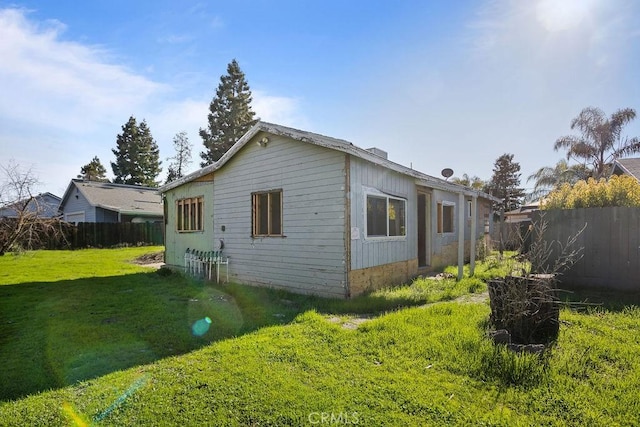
(460, 235)
(474, 231)
(347, 224)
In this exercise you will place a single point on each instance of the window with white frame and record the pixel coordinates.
(445, 215)
(190, 214)
(386, 216)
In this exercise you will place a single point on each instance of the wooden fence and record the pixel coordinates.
(611, 242)
(105, 234)
(95, 235)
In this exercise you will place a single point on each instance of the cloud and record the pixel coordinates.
(46, 81)
(278, 109)
(510, 81)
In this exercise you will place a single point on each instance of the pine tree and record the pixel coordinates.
(93, 171)
(230, 115)
(182, 158)
(505, 182)
(137, 155)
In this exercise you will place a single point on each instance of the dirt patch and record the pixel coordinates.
(152, 258)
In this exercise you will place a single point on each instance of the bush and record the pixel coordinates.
(620, 190)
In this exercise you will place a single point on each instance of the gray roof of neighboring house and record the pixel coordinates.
(334, 144)
(125, 199)
(44, 204)
(628, 167)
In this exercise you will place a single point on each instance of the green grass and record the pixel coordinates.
(68, 316)
(419, 366)
(272, 358)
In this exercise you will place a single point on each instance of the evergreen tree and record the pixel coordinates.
(93, 171)
(137, 155)
(230, 115)
(182, 158)
(505, 182)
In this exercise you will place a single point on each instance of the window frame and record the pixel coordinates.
(190, 214)
(257, 212)
(387, 198)
(440, 217)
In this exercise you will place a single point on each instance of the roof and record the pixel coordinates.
(44, 204)
(331, 143)
(125, 199)
(628, 167)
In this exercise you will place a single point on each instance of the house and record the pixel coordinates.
(627, 167)
(44, 205)
(93, 201)
(318, 215)
(523, 214)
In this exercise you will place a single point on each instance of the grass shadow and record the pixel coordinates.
(598, 298)
(53, 334)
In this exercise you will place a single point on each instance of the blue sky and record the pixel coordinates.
(434, 83)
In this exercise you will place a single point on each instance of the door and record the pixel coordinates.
(424, 229)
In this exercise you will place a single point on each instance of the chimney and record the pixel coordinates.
(378, 152)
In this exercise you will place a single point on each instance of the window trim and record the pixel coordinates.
(188, 210)
(255, 213)
(381, 195)
(440, 217)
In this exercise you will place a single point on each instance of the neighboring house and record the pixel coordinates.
(523, 214)
(93, 201)
(314, 214)
(627, 167)
(44, 205)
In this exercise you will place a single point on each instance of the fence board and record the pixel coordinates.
(611, 242)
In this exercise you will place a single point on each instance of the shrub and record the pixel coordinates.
(620, 190)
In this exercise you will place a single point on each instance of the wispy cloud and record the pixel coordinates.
(278, 109)
(59, 83)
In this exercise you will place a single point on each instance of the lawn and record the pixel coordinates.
(271, 358)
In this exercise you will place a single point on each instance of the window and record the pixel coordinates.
(267, 213)
(445, 217)
(386, 216)
(190, 214)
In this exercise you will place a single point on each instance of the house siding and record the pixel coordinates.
(310, 257)
(370, 252)
(80, 204)
(445, 245)
(176, 243)
(105, 215)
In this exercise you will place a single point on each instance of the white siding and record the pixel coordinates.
(372, 252)
(311, 256)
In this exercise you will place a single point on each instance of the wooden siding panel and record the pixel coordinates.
(372, 252)
(176, 243)
(311, 258)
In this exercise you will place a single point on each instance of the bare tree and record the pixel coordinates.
(22, 221)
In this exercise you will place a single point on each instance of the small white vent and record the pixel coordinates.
(378, 152)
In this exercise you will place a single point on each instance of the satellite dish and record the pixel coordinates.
(447, 173)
